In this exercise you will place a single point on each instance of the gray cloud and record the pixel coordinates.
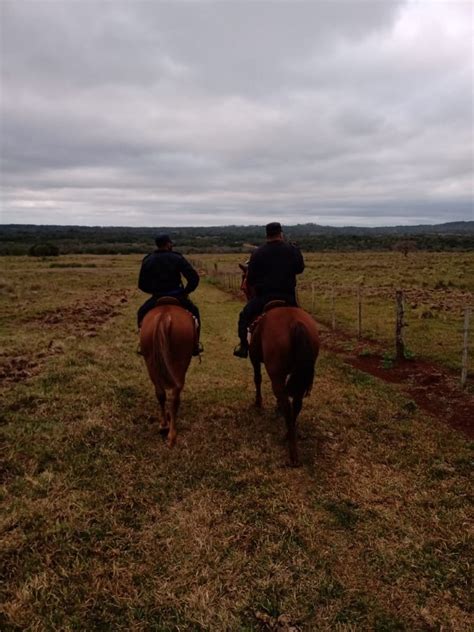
(147, 113)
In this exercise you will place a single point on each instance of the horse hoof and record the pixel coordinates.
(164, 431)
(171, 442)
(293, 464)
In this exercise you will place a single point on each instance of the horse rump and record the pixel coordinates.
(162, 353)
(304, 353)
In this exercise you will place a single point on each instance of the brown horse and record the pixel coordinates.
(286, 340)
(167, 338)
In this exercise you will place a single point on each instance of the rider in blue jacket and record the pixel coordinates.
(161, 275)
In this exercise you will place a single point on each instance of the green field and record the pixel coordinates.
(105, 528)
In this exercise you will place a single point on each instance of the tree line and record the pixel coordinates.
(35, 240)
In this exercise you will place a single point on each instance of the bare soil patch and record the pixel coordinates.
(433, 388)
(80, 320)
(84, 316)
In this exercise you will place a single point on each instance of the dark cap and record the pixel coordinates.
(162, 240)
(273, 229)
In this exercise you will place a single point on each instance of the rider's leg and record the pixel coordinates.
(253, 308)
(191, 307)
(150, 303)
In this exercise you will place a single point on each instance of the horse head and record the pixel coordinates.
(244, 286)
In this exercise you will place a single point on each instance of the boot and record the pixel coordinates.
(198, 348)
(241, 350)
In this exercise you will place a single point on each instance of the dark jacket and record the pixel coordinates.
(161, 272)
(273, 268)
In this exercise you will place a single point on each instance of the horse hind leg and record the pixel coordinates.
(164, 423)
(257, 378)
(175, 401)
(284, 405)
(297, 405)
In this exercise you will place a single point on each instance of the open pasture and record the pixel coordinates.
(106, 528)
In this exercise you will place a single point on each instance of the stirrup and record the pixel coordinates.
(241, 351)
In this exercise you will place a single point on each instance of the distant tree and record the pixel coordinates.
(405, 246)
(43, 250)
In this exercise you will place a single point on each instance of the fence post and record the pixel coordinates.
(333, 311)
(400, 324)
(359, 312)
(467, 314)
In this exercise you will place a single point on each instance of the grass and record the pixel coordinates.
(104, 528)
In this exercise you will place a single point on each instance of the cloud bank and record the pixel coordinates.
(205, 113)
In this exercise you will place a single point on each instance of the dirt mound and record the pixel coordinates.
(84, 316)
(22, 367)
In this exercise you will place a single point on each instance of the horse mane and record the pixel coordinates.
(300, 379)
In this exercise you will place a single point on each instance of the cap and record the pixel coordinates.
(273, 229)
(162, 240)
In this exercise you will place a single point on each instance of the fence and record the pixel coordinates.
(406, 320)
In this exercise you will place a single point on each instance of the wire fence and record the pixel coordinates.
(408, 321)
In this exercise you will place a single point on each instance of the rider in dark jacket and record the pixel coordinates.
(160, 275)
(272, 274)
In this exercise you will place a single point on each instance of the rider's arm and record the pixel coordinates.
(299, 261)
(144, 279)
(190, 274)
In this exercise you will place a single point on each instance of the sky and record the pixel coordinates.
(132, 113)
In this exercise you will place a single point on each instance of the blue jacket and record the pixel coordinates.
(161, 272)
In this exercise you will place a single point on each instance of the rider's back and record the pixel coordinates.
(161, 272)
(273, 268)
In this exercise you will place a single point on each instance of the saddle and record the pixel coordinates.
(272, 304)
(268, 306)
(171, 300)
(168, 300)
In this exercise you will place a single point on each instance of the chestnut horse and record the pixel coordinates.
(286, 340)
(167, 337)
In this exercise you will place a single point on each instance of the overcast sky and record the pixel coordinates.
(203, 113)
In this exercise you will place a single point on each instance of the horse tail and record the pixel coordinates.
(304, 354)
(161, 349)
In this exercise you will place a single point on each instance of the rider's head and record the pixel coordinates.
(163, 242)
(274, 231)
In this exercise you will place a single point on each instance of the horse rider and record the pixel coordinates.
(272, 274)
(160, 275)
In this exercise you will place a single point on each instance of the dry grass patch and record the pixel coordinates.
(108, 529)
